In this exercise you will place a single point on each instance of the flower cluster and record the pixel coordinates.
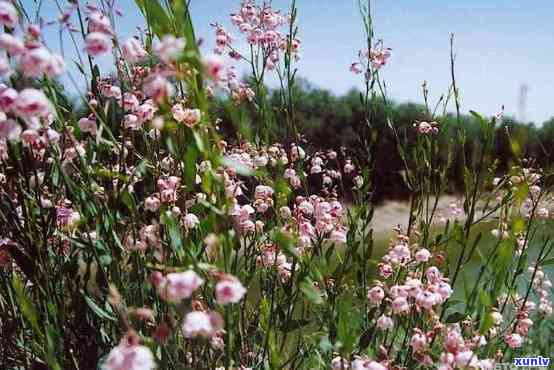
(371, 61)
(260, 25)
(138, 210)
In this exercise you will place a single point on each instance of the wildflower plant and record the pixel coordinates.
(138, 234)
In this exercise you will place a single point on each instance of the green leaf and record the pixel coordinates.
(97, 310)
(190, 165)
(291, 325)
(286, 242)
(155, 15)
(311, 292)
(485, 299)
(129, 201)
(174, 231)
(455, 317)
(486, 323)
(349, 322)
(25, 304)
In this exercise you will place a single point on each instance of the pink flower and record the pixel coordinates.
(8, 96)
(374, 365)
(355, 68)
(399, 254)
(191, 117)
(98, 22)
(132, 50)
(191, 221)
(11, 44)
(145, 112)
(375, 295)
(130, 101)
(400, 305)
(39, 61)
(158, 88)
(169, 48)
(201, 324)
(338, 363)
(426, 299)
(131, 122)
(418, 341)
(32, 102)
(152, 204)
(514, 340)
(97, 43)
(213, 66)
(338, 235)
(29, 136)
(33, 30)
(66, 217)
(178, 112)
(485, 364)
(5, 68)
(427, 128)
(385, 270)
(179, 285)
(422, 255)
(433, 274)
(366, 364)
(129, 355)
(444, 290)
(8, 14)
(385, 322)
(229, 290)
(466, 359)
(523, 326)
(9, 130)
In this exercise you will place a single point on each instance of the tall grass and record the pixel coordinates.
(136, 236)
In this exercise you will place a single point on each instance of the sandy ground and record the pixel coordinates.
(393, 213)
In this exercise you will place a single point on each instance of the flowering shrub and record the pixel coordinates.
(135, 235)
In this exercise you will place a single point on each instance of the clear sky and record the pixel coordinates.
(499, 44)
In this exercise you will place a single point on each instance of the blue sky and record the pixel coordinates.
(499, 45)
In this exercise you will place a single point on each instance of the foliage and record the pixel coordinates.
(162, 225)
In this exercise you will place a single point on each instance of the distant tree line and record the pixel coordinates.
(328, 121)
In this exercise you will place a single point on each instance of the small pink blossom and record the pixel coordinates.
(229, 290)
(400, 305)
(418, 341)
(514, 340)
(339, 363)
(98, 22)
(190, 221)
(152, 204)
(422, 255)
(213, 66)
(9, 130)
(8, 14)
(191, 117)
(179, 285)
(201, 324)
(366, 364)
(129, 355)
(31, 102)
(11, 44)
(132, 50)
(158, 88)
(169, 48)
(385, 322)
(97, 43)
(5, 67)
(38, 61)
(375, 295)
